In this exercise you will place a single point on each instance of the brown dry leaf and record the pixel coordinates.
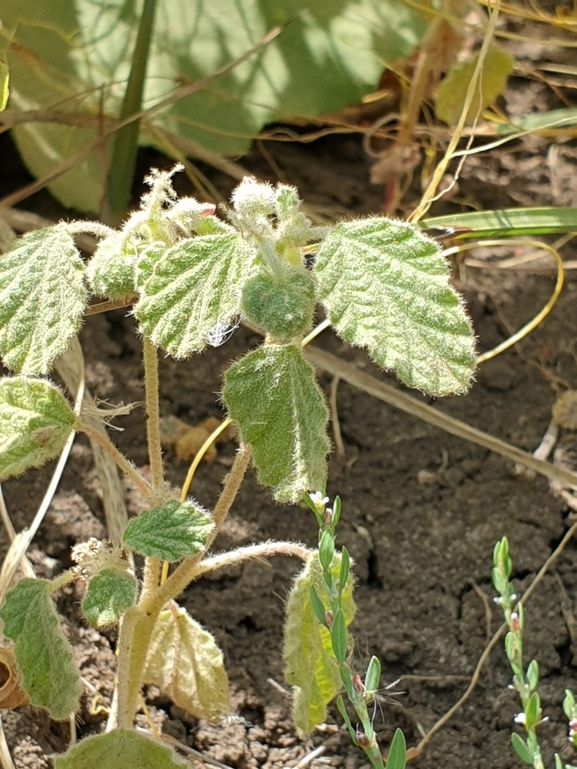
(565, 410)
(11, 694)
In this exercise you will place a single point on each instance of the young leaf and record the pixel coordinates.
(49, 675)
(385, 287)
(35, 422)
(42, 298)
(185, 663)
(373, 675)
(339, 637)
(521, 749)
(533, 711)
(4, 80)
(175, 531)
(125, 749)
(318, 606)
(111, 271)
(532, 674)
(109, 593)
(194, 292)
(326, 549)
(343, 711)
(397, 752)
(310, 665)
(273, 395)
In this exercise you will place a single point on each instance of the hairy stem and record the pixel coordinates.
(106, 444)
(151, 387)
(262, 550)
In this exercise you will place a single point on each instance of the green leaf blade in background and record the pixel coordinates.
(44, 656)
(185, 663)
(310, 665)
(177, 530)
(42, 298)
(386, 288)
(273, 395)
(193, 293)
(121, 748)
(35, 422)
(329, 56)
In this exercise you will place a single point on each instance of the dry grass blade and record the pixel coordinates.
(369, 384)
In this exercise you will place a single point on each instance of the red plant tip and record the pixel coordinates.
(362, 739)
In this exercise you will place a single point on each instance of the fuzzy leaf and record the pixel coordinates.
(452, 90)
(310, 665)
(193, 294)
(172, 532)
(385, 287)
(123, 749)
(42, 298)
(109, 593)
(35, 422)
(111, 271)
(273, 395)
(185, 663)
(49, 675)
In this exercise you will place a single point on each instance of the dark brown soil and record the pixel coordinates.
(421, 510)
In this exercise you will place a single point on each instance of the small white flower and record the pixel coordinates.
(520, 718)
(498, 600)
(318, 501)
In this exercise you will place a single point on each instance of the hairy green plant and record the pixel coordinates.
(525, 681)
(190, 276)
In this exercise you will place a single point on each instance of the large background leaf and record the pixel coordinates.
(75, 55)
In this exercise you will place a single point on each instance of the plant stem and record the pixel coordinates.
(151, 386)
(262, 550)
(188, 569)
(106, 444)
(139, 621)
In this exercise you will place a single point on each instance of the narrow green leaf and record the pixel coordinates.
(121, 748)
(175, 531)
(533, 674)
(49, 675)
(123, 160)
(310, 664)
(35, 422)
(326, 549)
(533, 711)
(42, 298)
(397, 752)
(193, 294)
(339, 637)
(318, 607)
(508, 221)
(386, 287)
(4, 80)
(345, 569)
(521, 749)
(452, 91)
(109, 593)
(373, 675)
(273, 395)
(569, 704)
(336, 511)
(185, 663)
(343, 711)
